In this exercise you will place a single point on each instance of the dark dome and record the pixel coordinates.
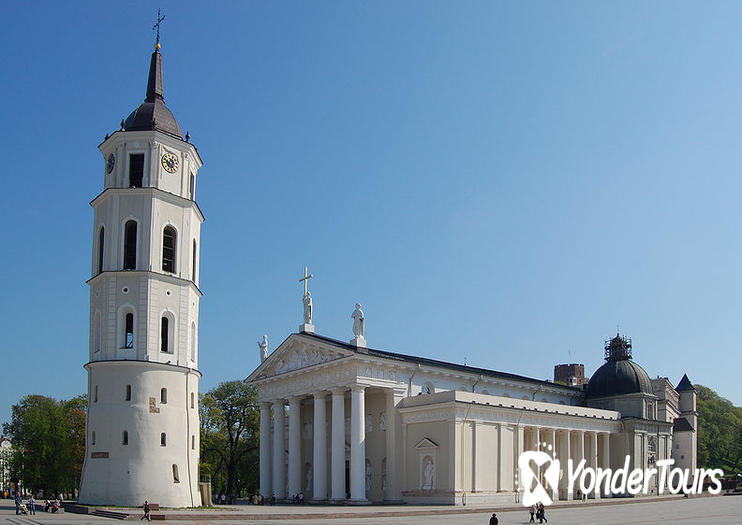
(152, 114)
(619, 377)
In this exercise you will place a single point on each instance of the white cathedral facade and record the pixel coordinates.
(342, 423)
(143, 424)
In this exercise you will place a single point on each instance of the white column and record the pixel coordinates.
(606, 460)
(537, 446)
(477, 466)
(357, 443)
(337, 450)
(265, 450)
(294, 446)
(594, 459)
(279, 479)
(519, 447)
(553, 453)
(502, 485)
(579, 451)
(564, 455)
(393, 472)
(319, 457)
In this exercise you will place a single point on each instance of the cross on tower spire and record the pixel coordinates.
(156, 27)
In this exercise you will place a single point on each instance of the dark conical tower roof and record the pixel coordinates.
(152, 114)
(684, 384)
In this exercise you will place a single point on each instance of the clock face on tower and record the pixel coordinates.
(170, 162)
(110, 163)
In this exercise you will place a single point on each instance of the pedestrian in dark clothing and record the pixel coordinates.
(18, 502)
(493, 519)
(146, 511)
(541, 513)
(532, 510)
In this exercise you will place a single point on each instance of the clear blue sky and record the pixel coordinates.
(501, 181)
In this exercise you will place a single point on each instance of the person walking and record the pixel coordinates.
(541, 513)
(31, 505)
(493, 519)
(18, 503)
(532, 510)
(146, 511)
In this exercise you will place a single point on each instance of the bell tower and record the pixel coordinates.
(143, 426)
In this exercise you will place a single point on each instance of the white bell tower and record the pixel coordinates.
(143, 426)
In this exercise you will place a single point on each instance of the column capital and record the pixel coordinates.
(320, 394)
(357, 388)
(293, 400)
(266, 405)
(338, 390)
(278, 401)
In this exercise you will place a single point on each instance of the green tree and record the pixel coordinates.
(49, 442)
(230, 424)
(719, 432)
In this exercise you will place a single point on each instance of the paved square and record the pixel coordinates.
(706, 510)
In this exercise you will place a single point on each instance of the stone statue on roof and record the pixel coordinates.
(307, 300)
(263, 345)
(359, 322)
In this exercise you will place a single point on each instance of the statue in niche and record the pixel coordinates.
(307, 431)
(368, 475)
(308, 308)
(359, 321)
(428, 473)
(382, 421)
(263, 345)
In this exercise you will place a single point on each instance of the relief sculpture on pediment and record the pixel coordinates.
(302, 358)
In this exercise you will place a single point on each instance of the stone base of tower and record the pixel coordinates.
(142, 435)
(107, 488)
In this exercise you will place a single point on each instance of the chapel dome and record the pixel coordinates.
(619, 375)
(153, 114)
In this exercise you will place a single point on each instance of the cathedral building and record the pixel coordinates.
(339, 422)
(143, 424)
(342, 422)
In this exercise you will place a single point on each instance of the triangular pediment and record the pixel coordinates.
(295, 353)
(426, 443)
